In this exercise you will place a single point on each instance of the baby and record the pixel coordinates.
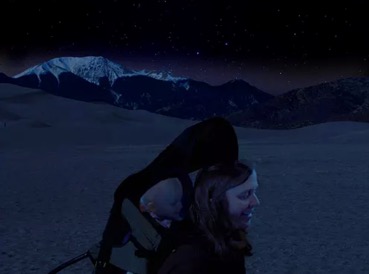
(163, 201)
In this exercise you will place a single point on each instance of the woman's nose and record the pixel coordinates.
(254, 200)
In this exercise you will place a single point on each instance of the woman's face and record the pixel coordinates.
(242, 201)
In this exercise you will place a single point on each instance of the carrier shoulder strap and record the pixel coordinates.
(144, 240)
(142, 230)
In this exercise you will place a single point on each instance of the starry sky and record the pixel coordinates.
(274, 45)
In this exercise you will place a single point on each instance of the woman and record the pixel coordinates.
(224, 201)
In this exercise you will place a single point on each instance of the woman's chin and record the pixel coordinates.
(245, 224)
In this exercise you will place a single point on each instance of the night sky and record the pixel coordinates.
(273, 45)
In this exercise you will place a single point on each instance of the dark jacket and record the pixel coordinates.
(197, 256)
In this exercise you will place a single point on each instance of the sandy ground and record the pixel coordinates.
(61, 160)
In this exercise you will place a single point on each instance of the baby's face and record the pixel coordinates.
(165, 200)
(168, 204)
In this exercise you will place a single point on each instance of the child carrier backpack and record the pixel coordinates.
(130, 237)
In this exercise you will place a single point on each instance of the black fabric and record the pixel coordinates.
(195, 255)
(203, 144)
(173, 237)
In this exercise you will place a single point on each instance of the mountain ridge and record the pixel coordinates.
(99, 79)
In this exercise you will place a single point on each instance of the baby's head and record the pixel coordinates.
(163, 200)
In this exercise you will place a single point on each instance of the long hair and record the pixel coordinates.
(209, 210)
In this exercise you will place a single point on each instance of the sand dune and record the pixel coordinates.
(61, 160)
(40, 106)
(39, 112)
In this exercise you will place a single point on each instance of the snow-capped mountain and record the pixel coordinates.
(92, 69)
(89, 68)
(99, 79)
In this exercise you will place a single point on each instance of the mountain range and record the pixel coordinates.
(97, 79)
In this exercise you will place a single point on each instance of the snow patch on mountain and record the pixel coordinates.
(163, 76)
(185, 85)
(92, 69)
(232, 103)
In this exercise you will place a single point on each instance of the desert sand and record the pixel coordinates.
(61, 161)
